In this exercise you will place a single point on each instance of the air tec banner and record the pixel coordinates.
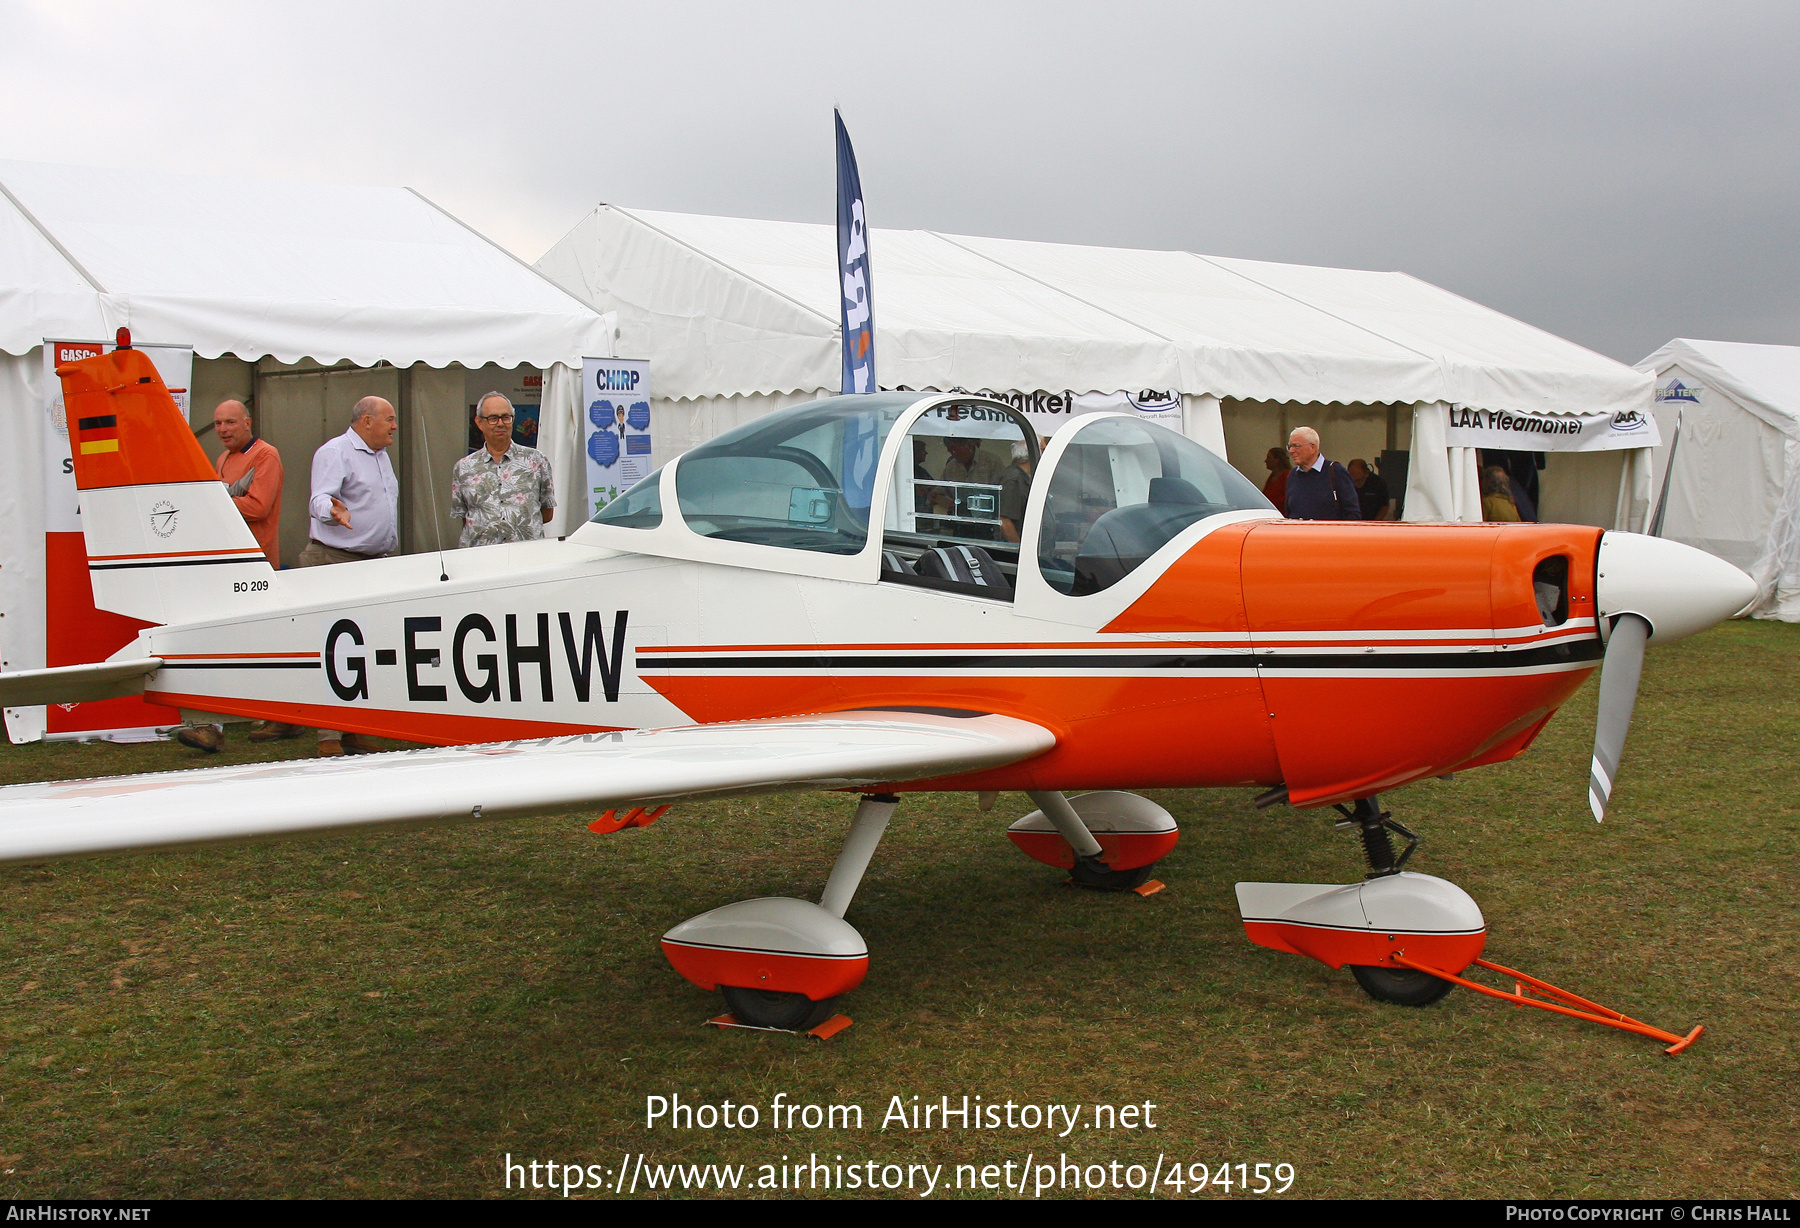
(616, 427)
(853, 268)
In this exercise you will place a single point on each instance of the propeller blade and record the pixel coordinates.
(1619, 674)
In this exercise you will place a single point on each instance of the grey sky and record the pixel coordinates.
(1617, 173)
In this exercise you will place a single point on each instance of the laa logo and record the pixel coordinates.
(1629, 420)
(162, 518)
(1150, 401)
(1675, 390)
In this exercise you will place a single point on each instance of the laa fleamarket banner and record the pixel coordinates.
(1469, 427)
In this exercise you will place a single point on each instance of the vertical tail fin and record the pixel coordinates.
(165, 543)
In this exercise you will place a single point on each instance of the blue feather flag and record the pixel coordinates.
(862, 435)
(857, 306)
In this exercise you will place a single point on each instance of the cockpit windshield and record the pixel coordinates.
(638, 508)
(801, 478)
(1121, 491)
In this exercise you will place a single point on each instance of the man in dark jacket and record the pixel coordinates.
(1318, 489)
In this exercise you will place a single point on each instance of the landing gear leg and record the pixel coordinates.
(866, 829)
(1384, 983)
(1373, 824)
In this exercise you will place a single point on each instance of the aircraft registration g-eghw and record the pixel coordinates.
(800, 604)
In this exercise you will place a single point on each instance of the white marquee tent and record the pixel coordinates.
(1735, 489)
(299, 297)
(738, 317)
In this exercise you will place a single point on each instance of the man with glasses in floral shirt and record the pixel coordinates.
(502, 493)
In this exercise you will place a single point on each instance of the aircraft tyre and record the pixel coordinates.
(1096, 875)
(1400, 986)
(770, 1008)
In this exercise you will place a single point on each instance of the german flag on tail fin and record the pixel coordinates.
(126, 428)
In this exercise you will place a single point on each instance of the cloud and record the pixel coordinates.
(1616, 174)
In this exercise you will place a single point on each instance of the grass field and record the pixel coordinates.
(390, 1015)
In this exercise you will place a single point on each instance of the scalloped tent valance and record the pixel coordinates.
(257, 268)
(736, 307)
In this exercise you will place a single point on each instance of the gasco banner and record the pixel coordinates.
(615, 426)
(1522, 432)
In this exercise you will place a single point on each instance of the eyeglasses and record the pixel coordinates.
(496, 419)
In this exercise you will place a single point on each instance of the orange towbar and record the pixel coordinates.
(1563, 1003)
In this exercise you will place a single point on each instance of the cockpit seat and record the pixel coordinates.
(1120, 541)
(893, 563)
(966, 565)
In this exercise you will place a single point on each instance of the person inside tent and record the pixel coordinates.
(1275, 489)
(1371, 491)
(1496, 495)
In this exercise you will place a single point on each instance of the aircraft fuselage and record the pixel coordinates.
(1341, 659)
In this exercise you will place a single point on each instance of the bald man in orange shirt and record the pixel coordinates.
(251, 470)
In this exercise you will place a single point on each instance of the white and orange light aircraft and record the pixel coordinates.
(799, 604)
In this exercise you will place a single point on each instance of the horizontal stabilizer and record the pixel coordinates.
(70, 684)
(594, 771)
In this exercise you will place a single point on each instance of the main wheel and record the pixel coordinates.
(1096, 876)
(1401, 986)
(770, 1008)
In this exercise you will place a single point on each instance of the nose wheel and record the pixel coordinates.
(1400, 986)
(1384, 983)
(1393, 930)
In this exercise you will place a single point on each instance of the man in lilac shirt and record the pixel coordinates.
(354, 514)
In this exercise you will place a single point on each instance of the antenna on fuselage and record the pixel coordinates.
(437, 526)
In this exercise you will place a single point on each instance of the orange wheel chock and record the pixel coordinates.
(637, 816)
(825, 1031)
(1563, 1002)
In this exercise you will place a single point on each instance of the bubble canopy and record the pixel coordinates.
(812, 489)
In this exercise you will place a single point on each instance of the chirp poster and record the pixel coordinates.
(615, 426)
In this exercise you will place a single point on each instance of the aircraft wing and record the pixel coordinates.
(67, 684)
(546, 776)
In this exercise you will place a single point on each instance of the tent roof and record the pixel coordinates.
(1764, 379)
(725, 306)
(256, 268)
